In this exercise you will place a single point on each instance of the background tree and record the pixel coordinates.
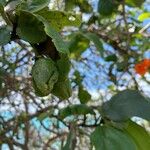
(74, 74)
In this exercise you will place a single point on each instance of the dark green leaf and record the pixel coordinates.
(121, 66)
(125, 105)
(69, 4)
(30, 28)
(5, 34)
(78, 109)
(1, 8)
(109, 138)
(82, 4)
(60, 19)
(139, 135)
(63, 65)
(107, 7)
(62, 89)
(83, 95)
(44, 76)
(111, 58)
(2, 76)
(78, 79)
(60, 45)
(34, 5)
(3, 2)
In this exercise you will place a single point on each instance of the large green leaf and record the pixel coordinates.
(34, 5)
(109, 138)
(44, 76)
(30, 28)
(135, 3)
(60, 19)
(139, 135)
(125, 105)
(106, 7)
(62, 89)
(60, 45)
(5, 34)
(78, 109)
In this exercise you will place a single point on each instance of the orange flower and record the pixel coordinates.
(142, 67)
(146, 62)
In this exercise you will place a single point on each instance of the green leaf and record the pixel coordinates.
(82, 4)
(121, 66)
(109, 138)
(1, 8)
(125, 105)
(5, 34)
(30, 28)
(63, 65)
(45, 114)
(111, 58)
(139, 135)
(34, 5)
(78, 79)
(70, 139)
(144, 16)
(83, 95)
(62, 89)
(3, 2)
(135, 3)
(2, 77)
(80, 42)
(60, 45)
(69, 4)
(95, 39)
(106, 7)
(77, 45)
(59, 19)
(44, 76)
(78, 109)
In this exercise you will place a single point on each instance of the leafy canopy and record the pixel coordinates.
(54, 54)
